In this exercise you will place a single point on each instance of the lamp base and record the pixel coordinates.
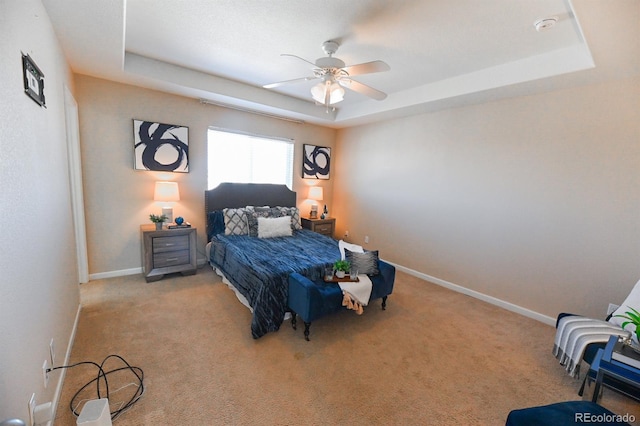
(168, 212)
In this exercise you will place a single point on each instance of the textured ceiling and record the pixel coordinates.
(441, 52)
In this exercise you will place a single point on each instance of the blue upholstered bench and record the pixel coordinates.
(565, 413)
(313, 300)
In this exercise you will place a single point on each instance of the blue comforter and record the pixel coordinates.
(259, 268)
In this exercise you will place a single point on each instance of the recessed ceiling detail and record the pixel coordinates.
(437, 53)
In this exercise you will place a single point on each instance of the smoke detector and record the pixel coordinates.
(545, 24)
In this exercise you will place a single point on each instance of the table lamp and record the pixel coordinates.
(315, 193)
(167, 193)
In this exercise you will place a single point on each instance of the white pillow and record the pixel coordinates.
(269, 227)
(632, 301)
(351, 247)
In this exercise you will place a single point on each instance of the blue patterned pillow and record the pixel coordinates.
(366, 263)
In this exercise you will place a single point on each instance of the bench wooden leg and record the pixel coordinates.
(294, 321)
(384, 303)
(306, 330)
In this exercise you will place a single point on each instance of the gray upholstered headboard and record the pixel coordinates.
(234, 195)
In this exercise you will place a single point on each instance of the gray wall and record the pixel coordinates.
(39, 289)
(533, 201)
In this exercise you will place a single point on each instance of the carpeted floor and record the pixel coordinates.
(434, 357)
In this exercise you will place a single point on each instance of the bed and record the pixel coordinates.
(258, 267)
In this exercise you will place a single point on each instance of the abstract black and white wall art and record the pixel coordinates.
(160, 147)
(316, 162)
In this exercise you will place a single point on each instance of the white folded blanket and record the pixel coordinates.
(573, 335)
(356, 293)
(359, 290)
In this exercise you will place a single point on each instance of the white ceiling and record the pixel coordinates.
(441, 52)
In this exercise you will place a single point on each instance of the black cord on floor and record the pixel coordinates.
(102, 378)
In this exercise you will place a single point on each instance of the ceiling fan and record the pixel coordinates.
(335, 75)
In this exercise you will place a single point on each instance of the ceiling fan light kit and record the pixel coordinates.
(329, 91)
(335, 75)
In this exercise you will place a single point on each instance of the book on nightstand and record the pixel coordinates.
(184, 225)
(624, 354)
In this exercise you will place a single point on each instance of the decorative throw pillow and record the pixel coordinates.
(270, 227)
(235, 221)
(365, 263)
(253, 216)
(294, 212)
(632, 301)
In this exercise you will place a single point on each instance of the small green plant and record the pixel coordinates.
(157, 219)
(342, 265)
(633, 317)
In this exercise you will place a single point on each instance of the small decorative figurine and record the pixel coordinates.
(179, 220)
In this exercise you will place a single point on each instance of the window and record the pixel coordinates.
(239, 157)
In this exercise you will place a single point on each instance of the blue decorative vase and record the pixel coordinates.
(179, 220)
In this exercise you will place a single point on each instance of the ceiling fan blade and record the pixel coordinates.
(298, 57)
(363, 89)
(282, 83)
(367, 68)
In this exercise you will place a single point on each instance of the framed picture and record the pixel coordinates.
(33, 80)
(316, 162)
(160, 147)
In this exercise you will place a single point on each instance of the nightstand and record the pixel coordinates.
(167, 251)
(321, 226)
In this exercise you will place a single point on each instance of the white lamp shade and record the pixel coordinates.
(315, 193)
(166, 191)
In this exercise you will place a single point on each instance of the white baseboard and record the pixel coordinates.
(63, 371)
(481, 296)
(133, 271)
(112, 274)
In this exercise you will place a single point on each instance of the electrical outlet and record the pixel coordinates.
(612, 308)
(32, 408)
(346, 234)
(52, 352)
(366, 239)
(45, 373)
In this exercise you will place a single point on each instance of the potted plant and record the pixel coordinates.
(158, 220)
(632, 317)
(341, 267)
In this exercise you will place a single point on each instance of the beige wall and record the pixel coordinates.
(533, 200)
(39, 288)
(118, 199)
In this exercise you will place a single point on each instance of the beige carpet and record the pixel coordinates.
(433, 357)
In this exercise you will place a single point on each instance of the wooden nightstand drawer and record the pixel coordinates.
(321, 226)
(162, 244)
(171, 258)
(325, 228)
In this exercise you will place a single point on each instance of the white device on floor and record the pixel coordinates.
(95, 413)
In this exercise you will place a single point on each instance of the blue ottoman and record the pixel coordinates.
(313, 300)
(565, 413)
